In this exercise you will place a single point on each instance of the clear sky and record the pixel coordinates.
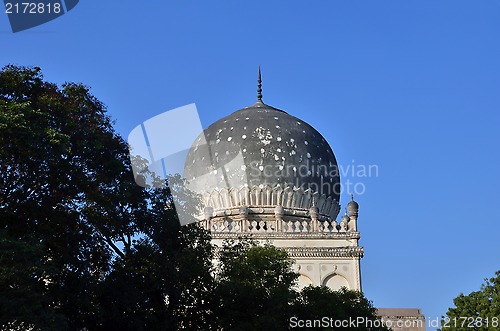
(410, 86)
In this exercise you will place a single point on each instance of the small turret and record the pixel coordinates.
(344, 222)
(352, 209)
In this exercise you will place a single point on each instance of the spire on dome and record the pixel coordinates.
(259, 87)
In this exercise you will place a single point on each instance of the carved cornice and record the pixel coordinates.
(348, 252)
(286, 235)
(329, 252)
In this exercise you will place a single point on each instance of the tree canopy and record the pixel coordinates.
(66, 197)
(82, 247)
(479, 310)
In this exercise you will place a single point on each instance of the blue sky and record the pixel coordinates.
(410, 86)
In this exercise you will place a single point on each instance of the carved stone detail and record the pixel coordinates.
(264, 196)
(327, 252)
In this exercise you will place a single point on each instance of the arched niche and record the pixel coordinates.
(303, 281)
(336, 282)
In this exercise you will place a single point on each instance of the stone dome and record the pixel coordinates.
(352, 207)
(261, 147)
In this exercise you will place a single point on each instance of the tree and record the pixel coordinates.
(165, 282)
(67, 197)
(23, 287)
(254, 287)
(479, 310)
(315, 303)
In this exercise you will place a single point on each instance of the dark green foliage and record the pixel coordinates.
(67, 197)
(479, 310)
(254, 287)
(314, 303)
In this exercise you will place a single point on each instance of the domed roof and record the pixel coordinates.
(352, 206)
(262, 146)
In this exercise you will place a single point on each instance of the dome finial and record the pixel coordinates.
(259, 87)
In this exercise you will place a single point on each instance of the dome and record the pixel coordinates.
(261, 146)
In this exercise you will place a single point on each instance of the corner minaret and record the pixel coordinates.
(352, 209)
